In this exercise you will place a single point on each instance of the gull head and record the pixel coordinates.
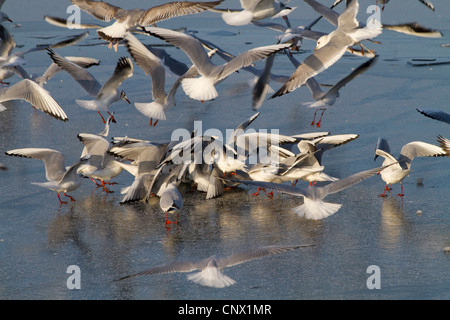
(323, 40)
(123, 96)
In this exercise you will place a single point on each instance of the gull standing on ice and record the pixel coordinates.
(331, 47)
(128, 20)
(104, 95)
(60, 178)
(202, 88)
(400, 168)
(171, 201)
(211, 268)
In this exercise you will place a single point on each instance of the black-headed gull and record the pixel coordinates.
(171, 201)
(325, 99)
(60, 178)
(104, 95)
(211, 268)
(128, 20)
(202, 88)
(400, 168)
(254, 10)
(331, 47)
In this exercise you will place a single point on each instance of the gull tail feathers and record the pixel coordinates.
(199, 88)
(316, 209)
(154, 110)
(136, 192)
(211, 277)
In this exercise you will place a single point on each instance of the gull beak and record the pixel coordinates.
(124, 97)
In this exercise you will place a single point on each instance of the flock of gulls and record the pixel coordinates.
(156, 167)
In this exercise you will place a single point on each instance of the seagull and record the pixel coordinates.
(128, 20)
(104, 95)
(153, 66)
(313, 206)
(325, 99)
(435, 114)
(202, 88)
(59, 178)
(331, 47)
(34, 94)
(171, 201)
(211, 268)
(101, 165)
(254, 10)
(401, 167)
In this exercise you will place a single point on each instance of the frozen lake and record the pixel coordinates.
(404, 237)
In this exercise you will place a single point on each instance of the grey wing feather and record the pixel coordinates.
(177, 266)
(253, 254)
(347, 182)
(79, 74)
(435, 114)
(99, 9)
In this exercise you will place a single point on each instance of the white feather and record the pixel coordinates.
(154, 110)
(201, 88)
(237, 18)
(211, 277)
(316, 209)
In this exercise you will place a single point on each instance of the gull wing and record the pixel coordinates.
(124, 70)
(175, 9)
(34, 94)
(415, 149)
(79, 74)
(435, 114)
(254, 254)
(54, 160)
(98, 9)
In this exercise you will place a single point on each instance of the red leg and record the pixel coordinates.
(71, 199)
(60, 201)
(106, 189)
(257, 192)
(320, 120)
(385, 189)
(401, 190)
(167, 219)
(98, 185)
(314, 119)
(103, 119)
